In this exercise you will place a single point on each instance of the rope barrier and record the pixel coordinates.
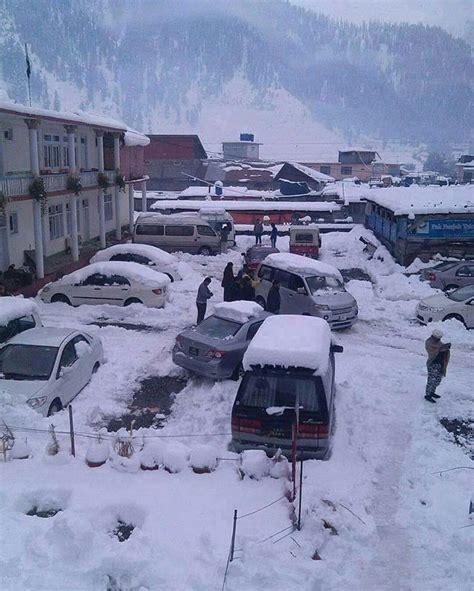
(262, 508)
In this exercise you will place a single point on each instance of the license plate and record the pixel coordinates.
(193, 351)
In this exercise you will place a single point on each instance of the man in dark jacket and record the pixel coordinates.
(438, 358)
(227, 281)
(274, 300)
(258, 231)
(273, 236)
(203, 294)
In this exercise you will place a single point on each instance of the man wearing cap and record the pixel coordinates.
(438, 358)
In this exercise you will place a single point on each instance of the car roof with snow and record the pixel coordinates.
(173, 218)
(239, 311)
(289, 340)
(12, 307)
(49, 336)
(295, 263)
(132, 271)
(151, 252)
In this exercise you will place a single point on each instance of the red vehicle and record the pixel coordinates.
(255, 255)
(305, 241)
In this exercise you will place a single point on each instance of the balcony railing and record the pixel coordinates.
(15, 185)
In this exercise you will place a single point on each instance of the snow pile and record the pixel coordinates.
(290, 341)
(15, 307)
(132, 271)
(97, 453)
(279, 466)
(295, 263)
(175, 457)
(155, 254)
(132, 138)
(203, 458)
(239, 311)
(20, 450)
(152, 455)
(255, 464)
(247, 205)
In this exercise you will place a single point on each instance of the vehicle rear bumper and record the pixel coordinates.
(215, 368)
(311, 449)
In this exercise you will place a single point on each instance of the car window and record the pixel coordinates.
(283, 278)
(131, 257)
(25, 323)
(69, 355)
(461, 294)
(465, 271)
(95, 279)
(26, 362)
(7, 331)
(205, 231)
(265, 272)
(117, 280)
(252, 331)
(218, 328)
(81, 345)
(296, 283)
(444, 266)
(179, 230)
(306, 237)
(317, 283)
(149, 230)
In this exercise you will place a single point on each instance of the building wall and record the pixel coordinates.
(246, 150)
(132, 161)
(171, 148)
(15, 159)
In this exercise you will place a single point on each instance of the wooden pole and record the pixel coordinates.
(232, 543)
(71, 431)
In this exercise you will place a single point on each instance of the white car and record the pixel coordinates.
(116, 283)
(47, 367)
(458, 304)
(17, 314)
(143, 254)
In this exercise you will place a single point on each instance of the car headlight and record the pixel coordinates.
(45, 289)
(435, 309)
(322, 307)
(35, 402)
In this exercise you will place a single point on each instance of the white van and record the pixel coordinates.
(217, 217)
(17, 314)
(177, 232)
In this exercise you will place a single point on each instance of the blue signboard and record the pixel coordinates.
(446, 228)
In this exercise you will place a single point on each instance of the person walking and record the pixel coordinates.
(274, 299)
(273, 236)
(438, 359)
(247, 290)
(258, 231)
(203, 294)
(224, 238)
(228, 280)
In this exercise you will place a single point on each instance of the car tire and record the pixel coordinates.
(238, 373)
(95, 369)
(261, 302)
(55, 407)
(131, 301)
(205, 250)
(60, 297)
(454, 317)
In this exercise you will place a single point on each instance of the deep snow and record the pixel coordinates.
(399, 524)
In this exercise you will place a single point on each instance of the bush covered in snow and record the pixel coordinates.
(203, 458)
(254, 463)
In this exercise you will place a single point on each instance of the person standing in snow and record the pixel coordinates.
(203, 294)
(258, 231)
(273, 236)
(438, 358)
(274, 299)
(224, 238)
(227, 281)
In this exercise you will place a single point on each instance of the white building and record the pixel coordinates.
(60, 149)
(245, 149)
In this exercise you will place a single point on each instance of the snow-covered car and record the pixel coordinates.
(449, 274)
(17, 314)
(458, 304)
(256, 254)
(47, 367)
(289, 362)
(113, 282)
(143, 254)
(215, 347)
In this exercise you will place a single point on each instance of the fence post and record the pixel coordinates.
(71, 431)
(232, 542)
(301, 492)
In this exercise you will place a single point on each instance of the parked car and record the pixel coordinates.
(307, 287)
(47, 367)
(449, 274)
(17, 314)
(113, 282)
(288, 383)
(305, 240)
(178, 232)
(215, 347)
(256, 254)
(458, 304)
(143, 254)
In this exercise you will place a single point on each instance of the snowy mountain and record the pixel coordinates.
(286, 74)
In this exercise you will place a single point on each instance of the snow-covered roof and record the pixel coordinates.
(251, 205)
(314, 174)
(135, 138)
(299, 264)
(239, 311)
(290, 341)
(14, 307)
(424, 200)
(153, 253)
(228, 192)
(50, 335)
(132, 271)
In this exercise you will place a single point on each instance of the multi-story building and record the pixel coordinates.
(355, 162)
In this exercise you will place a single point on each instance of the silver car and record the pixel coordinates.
(458, 304)
(449, 274)
(215, 347)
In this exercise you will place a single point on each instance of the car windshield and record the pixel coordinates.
(27, 362)
(218, 328)
(259, 255)
(459, 295)
(264, 391)
(444, 266)
(318, 283)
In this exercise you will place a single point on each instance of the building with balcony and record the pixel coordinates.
(63, 182)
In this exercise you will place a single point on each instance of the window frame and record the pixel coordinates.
(13, 223)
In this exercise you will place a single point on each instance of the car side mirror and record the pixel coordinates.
(301, 290)
(337, 348)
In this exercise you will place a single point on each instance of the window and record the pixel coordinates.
(346, 169)
(56, 222)
(252, 331)
(27, 362)
(150, 230)
(466, 271)
(95, 279)
(13, 222)
(283, 278)
(117, 280)
(131, 257)
(325, 169)
(218, 328)
(26, 322)
(8, 134)
(108, 207)
(296, 283)
(306, 237)
(51, 151)
(69, 355)
(205, 231)
(179, 230)
(265, 273)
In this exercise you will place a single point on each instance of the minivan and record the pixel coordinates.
(307, 287)
(287, 393)
(177, 232)
(17, 314)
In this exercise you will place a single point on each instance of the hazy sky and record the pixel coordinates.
(449, 14)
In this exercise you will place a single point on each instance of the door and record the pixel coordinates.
(68, 376)
(4, 255)
(286, 305)
(90, 291)
(116, 290)
(298, 297)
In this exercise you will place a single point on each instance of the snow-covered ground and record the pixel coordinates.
(399, 524)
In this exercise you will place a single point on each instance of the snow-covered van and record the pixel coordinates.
(17, 314)
(288, 387)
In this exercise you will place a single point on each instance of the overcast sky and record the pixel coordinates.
(449, 14)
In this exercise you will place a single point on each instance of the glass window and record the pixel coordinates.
(218, 327)
(252, 331)
(283, 278)
(51, 151)
(318, 283)
(69, 355)
(325, 169)
(205, 231)
(95, 279)
(26, 362)
(117, 280)
(346, 169)
(13, 222)
(444, 266)
(131, 257)
(466, 271)
(56, 221)
(26, 322)
(296, 283)
(306, 237)
(461, 294)
(265, 273)
(179, 230)
(150, 230)
(108, 207)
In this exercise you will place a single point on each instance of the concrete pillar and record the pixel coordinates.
(33, 125)
(100, 195)
(71, 151)
(144, 203)
(131, 207)
(118, 209)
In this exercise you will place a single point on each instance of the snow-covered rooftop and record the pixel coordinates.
(132, 271)
(250, 205)
(135, 138)
(14, 307)
(151, 252)
(229, 192)
(290, 341)
(300, 264)
(314, 174)
(239, 311)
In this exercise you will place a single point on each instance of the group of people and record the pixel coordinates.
(258, 233)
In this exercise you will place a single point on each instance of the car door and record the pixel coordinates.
(89, 291)
(469, 313)
(298, 295)
(68, 380)
(286, 302)
(265, 276)
(465, 275)
(116, 289)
